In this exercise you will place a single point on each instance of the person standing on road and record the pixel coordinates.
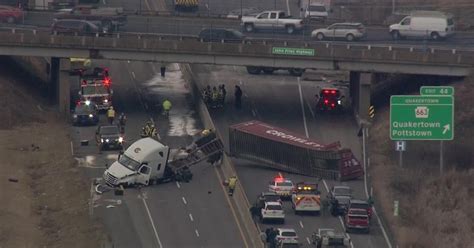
(111, 115)
(166, 107)
(238, 97)
(232, 184)
(223, 93)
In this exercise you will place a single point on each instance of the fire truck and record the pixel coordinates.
(97, 90)
(306, 198)
(329, 99)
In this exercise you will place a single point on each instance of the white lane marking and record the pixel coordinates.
(196, 231)
(311, 110)
(178, 185)
(104, 2)
(240, 82)
(152, 223)
(366, 164)
(184, 200)
(253, 113)
(133, 75)
(207, 6)
(288, 7)
(309, 241)
(72, 149)
(302, 108)
(301, 224)
(326, 186)
(191, 217)
(128, 61)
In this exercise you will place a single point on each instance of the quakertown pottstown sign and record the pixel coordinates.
(421, 117)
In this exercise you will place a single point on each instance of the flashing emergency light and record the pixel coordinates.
(333, 92)
(107, 81)
(326, 101)
(88, 102)
(326, 91)
(279, 178)
(333, 105)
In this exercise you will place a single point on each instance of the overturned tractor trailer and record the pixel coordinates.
(286, 151)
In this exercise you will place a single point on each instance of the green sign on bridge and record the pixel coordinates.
(421, 117)
(436, 91)
(293, 51)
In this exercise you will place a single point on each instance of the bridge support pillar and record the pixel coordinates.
(60, 85)
(360, 83)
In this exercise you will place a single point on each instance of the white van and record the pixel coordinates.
(424, 24)
(316, 11)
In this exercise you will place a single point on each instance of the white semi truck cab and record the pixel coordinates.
(147, 161)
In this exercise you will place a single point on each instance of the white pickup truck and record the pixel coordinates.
(271, 20)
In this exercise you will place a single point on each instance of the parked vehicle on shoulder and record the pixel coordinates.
(346, 31)
(270, 20)
(10, 14)
(424, 24)
(221, 35)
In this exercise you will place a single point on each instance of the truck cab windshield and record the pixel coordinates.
(129, 162)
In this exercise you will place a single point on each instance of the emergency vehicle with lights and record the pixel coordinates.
(306, 198)
(272, 211)
(330, 99)
(281, 186)
(97, 90)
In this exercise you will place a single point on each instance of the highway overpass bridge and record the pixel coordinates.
(361, 60)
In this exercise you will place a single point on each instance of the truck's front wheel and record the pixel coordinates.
(255, 70)
(290, 29)
(249, 27)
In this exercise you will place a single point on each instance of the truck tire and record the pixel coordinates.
(249, 27)
(290, 29)
(255, 70)
(268, 70)
(297, 72)
(435, 36)
(396, 35)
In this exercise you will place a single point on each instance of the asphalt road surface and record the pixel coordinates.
(280, 100)
(192, 26)
(194, 214)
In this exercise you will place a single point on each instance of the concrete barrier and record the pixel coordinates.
(239, 199)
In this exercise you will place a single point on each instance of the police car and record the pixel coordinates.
(281, 186)
(272, 211)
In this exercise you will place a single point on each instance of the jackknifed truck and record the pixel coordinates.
(287, 151)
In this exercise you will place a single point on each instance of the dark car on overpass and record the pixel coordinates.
(221, 35)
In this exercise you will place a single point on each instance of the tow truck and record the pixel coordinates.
(281, 186)
(148, 161)
(328, 237)
(306, 198)
(329, 99)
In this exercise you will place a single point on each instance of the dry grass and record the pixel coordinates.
(435, 211)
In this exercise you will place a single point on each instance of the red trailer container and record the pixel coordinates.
(286, 151)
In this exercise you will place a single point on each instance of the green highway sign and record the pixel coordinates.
(422, 117)
(293, 51)
(436, 91)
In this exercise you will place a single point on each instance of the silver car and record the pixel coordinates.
(347, 31)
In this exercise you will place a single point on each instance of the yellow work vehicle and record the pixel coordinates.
(79, 65)
(186, 5)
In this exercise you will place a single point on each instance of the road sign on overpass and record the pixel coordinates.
(293, 51)
(436, 91)
(422, 117)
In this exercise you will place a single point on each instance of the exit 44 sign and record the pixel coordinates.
(422, 117)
